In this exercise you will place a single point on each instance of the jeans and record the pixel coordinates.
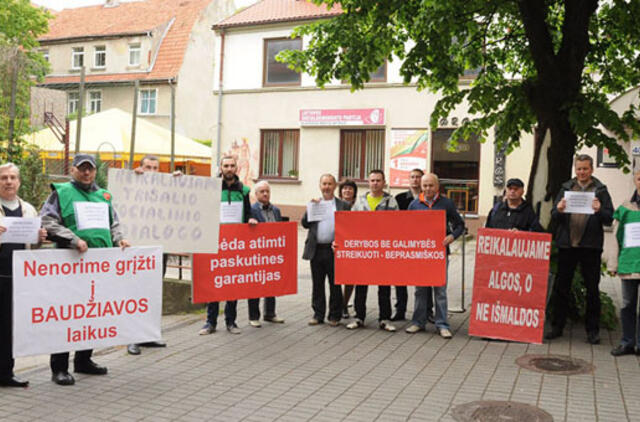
(230, 312)
(422, 307)
(629, 314)
(322, 267)
(269, 308)
(384, 302)
(568, 260)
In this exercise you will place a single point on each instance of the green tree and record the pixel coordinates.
(543, 66)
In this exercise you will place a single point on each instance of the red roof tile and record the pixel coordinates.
(272, 11)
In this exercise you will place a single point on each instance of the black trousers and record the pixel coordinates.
(402, 296)
(6, 335)
(568, 260)
(384, 302)
(322, 267)
(230, 312)
(60, 361)
(269, 308)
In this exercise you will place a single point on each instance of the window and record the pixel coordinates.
(45, 54)
(72, 102)
(77, 57)
(604, 159)
(148, 101)
(134, 54)
(100, 56)
(360, 152)
(379, 75)
(276, 73)
(95, 101)
(279, 153)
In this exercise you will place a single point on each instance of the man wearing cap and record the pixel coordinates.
(514, 213)
(60, 214)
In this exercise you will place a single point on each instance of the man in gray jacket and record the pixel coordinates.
(374, 200)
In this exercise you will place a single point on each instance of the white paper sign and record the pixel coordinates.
(231, 212)
(579, 202)
(91, 215)
(181, 213)
(318, 211)
(632, 235)
(64, 301)
(20, 229)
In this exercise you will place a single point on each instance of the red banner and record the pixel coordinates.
(390, 248)
(252, 261)
(510, 285)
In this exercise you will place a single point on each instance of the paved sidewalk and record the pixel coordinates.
(293, 372)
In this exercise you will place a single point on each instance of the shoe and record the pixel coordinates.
(387, 326)
(314, 321)
(413, 328)
(153, 344)
(445, 333)
(623, 350)
(233, 329)
(356, 323)
(593, 337)
(398, 317)
(255, 323)
(274, 319)
(133, 349)
(431, 319)
(63, 378)
(207, 328)
(333, 323)
(89, 367)
(554, 333)
(13, 382)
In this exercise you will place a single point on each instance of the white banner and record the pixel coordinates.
(181, 213)
(64, 300)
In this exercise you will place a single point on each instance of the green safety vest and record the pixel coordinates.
(628, 258)
(234, 195)
(67, 195)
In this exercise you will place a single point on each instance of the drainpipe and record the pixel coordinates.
(219, 134)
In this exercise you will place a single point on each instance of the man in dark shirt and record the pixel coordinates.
(514, 213)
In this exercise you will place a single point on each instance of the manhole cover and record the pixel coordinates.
(555, 364)
(499, 411)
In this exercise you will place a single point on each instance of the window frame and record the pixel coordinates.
(266, 84)
(97, 52)
(363, 152)
(380, 80)
(76, 101)
(140, 112)
(281, 133)
(77, 52)
(91, 100)
(135, 46)
(602, 160)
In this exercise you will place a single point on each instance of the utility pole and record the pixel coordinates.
(12, 105)
(80, 110)
(133, 123)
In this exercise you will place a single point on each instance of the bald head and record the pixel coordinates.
(430, 185)
(263, 192)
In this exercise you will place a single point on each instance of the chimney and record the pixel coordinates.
(111, 3)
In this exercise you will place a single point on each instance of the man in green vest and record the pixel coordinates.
(64, 216)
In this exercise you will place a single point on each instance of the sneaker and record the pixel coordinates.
(387, 326)
(207, 328)
(623, 350)
(255, 323)
(233, 329)
(413, 328)
(356, 323)
(274, 319)
(333, 323)
(445, 333)
(314, 321)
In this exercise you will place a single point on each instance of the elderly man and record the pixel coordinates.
(11, 206)
(60, 215)
(580, 238)
(514, 213)
(318, 250)
(430, 199)
(264, 212)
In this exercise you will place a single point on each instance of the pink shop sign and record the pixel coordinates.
(342, 117)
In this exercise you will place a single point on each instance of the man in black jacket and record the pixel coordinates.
(514, 213)
(579, 238)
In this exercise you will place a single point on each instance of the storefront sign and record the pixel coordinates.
(342, 117)
(252, 262)
(397, 248)
(408, 152)
(65, 301)
(181, 213)
(510, 285)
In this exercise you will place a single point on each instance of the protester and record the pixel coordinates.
(514, 213)
(348, 192)
(264, 212)
(404, 199)
(430, 199)
(579, 238)
(12, 206)
(374, 200)
(318, 250)
(233, 193)
(60, 213)
(151, 164)
(625, 263)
